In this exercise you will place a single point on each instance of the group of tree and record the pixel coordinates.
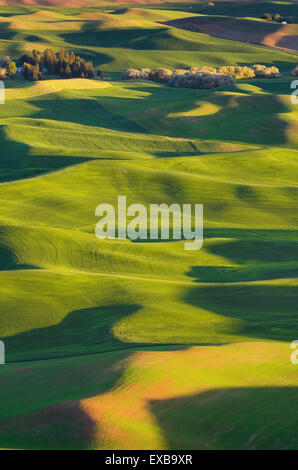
(64, 63)
(195, 77)
(8, 68)
(202, 77)
(32, 71)
(277, 18)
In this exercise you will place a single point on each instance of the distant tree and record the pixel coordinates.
(27, 71)
(32, 72)
(36, 57)
(2, 73)
(61, 57)
(5, 60)
(67, 72)
(72, 57)
(89, 70)
(64, 63)
(77, 67)
(36, 73)
(11, 69)
(49, 60)
(262, 71)
(66, 58)
(277, 18)
(163, 75)
(25, 59)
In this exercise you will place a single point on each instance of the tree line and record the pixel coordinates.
(35, 65)
(277, 18)
(64, 63)
(202, 77)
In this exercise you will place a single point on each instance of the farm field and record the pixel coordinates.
(115, 344)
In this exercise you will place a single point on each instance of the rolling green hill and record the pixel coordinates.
(117, 344)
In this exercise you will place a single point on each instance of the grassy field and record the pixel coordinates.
(117, 344)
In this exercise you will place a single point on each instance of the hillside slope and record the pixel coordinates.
(115, 344)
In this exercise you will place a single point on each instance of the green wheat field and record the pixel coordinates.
(115, 344)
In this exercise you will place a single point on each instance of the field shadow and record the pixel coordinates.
(262, 311)
(5, 32)
(232, 121)
(257, 251)
(34, 38)
(267, 311)
(230, 418)
(100, 58)
(88, 111)
(127, 38)
(226, 274)
(17, 162)
(80, 332)
(9, 261)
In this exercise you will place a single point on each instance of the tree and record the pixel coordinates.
(32, 72)
(67, 72)
(36, 73)
(61, 57)
(25, 59)
(11, 69)
(36, 57)
(66, 58)
(27, 71)
(2, 73)
(64, 63)
(5, 60)
(72, 58)
(89, 70)
(77, 67)
(50, 60)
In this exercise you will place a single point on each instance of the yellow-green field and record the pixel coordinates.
(116, 344)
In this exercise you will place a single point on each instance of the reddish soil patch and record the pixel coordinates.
(285, 37)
